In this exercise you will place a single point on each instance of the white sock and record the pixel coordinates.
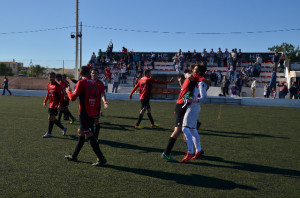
(196, 139)
(189, 139)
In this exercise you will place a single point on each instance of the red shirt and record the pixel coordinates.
(54, 95)
(89, 97)
(64, 84)
(101, 87)
(145, 85)
(187, 86)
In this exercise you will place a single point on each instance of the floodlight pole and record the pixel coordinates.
(80, 44)
(76, 45)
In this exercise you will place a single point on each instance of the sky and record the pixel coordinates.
(151, 26)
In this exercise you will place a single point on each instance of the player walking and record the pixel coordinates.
(191, 117)
(95, 77)
(55, 97)
(5, 86)
(180, 109)
(145, 85)
(65, 106)
(89, 98)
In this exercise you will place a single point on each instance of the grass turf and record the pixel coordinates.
(250, 151)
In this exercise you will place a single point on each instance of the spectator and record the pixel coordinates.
(281, 62)
(211, 57)
(175, 62)
(143, 61)
(234, 58)
(219, 57)
(124, 50)
(225, 56)
(256, 70)
(188, 59)
(283, 90)
(275, 61)
(152, 60)
(259, 60)
(246, 80)
(106, 84)
(239, 58)
(239, 84)
(93, 59)
(213, 78)
(115, 83)
(234, 90)
(266, 90)
(231, 73)
(137, 59)
(225, 85)
(204, 56)
(273, 92)
(220, 77)
(181, 60)
(229, 60)
(293, 91)
(123, 74)
(195, 57)
(253, 87)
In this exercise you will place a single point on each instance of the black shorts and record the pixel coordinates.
(145, 104)
(179, 114)
(65, 104)
(86, 122)
(52, 111)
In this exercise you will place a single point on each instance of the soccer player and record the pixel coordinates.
(56, 98)
(89, 98)
(145, 85)
(64, 108)
(191, 117)
(95, 77)
(5, 86)
(180, 109)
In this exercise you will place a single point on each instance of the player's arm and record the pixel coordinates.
(60, 91)
(46, 99)
(135, 88)
(161, 82)
(203, 94)
(73, 96)
(103, 96)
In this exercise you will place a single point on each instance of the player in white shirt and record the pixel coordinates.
(190, 119)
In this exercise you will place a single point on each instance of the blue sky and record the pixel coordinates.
(50, 48)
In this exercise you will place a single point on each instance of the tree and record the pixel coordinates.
(291, 51)
(5, 70)
(37, 70)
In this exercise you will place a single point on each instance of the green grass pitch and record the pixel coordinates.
(250, 151)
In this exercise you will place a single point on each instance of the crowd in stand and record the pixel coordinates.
(126, 61)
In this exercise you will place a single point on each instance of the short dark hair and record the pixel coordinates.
(201, 68)
(85, 71)
(64, 75)
(58, 76)
(51, 73)
(147, 71)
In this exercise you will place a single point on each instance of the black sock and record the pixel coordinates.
(71, 116)
(59, 124)
(50, 126)
(170, 145)
(150, 118)
(139, 120)
(59, 115)
(96, 147)
(97, 130)
(79, 145)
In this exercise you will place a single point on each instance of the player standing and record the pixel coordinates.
(145, 85)
(180, 109)
(65, 106)
(89, 98)
(191, 117)
(55, 97)
(95, 77)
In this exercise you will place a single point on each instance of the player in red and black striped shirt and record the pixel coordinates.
(145, 85)
(89, 100)
(95, 77)
(56, 98)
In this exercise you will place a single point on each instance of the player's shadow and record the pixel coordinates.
(125, 117)
(246, 166)
(119, 127)
(232, 134)
(190, 180)
(135, 147)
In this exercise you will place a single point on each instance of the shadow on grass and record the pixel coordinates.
(191, 180)
(237, 134)
(135, 147)
(247, 167)
(125, 117)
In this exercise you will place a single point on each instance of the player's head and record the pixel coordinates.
(85, 71)
(51, 77)
(199, 69)
(64, 77)
(95, 74)
(147, 72)
(58, 77)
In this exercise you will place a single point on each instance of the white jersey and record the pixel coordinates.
(192, 112)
